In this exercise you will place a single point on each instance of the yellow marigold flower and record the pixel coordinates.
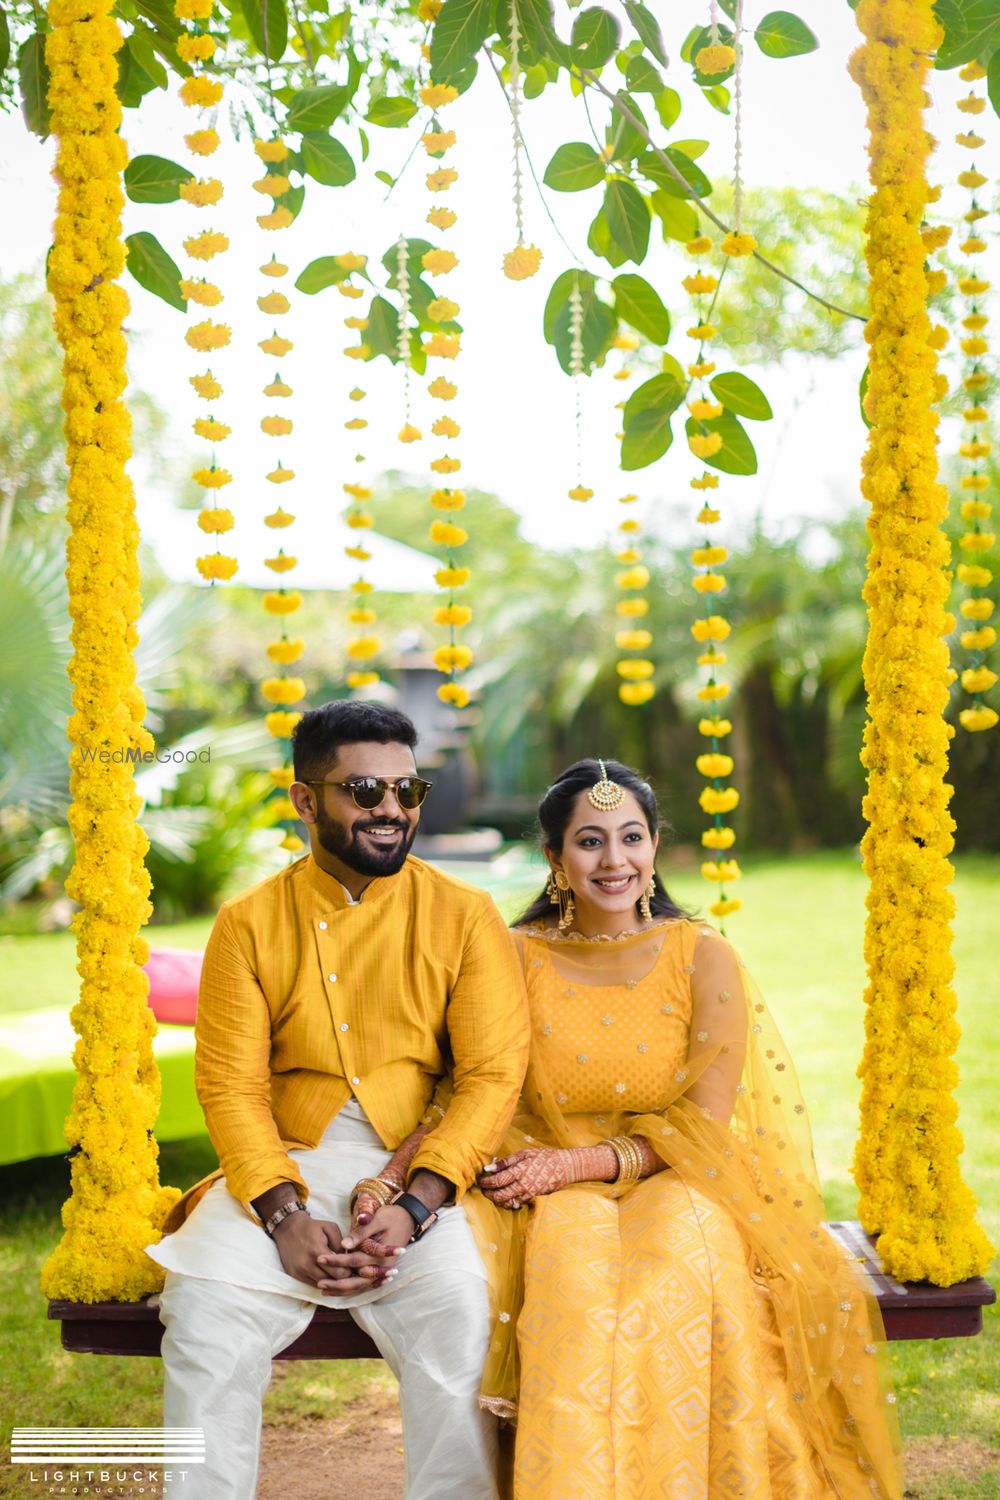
(714, 728)
(975, 321)
(453, 693)
(442, 389)
(935, 237)
(448, 535)
(442, 218)
(632, 578)
(972, 104)
(279, 518)
(699, 282)
(707, 557)
(718, 800)
(439, 262)
(359, 553)
(448, 499)
(724, 908)
(351, 261)
(363, 647)
(629, 555)
(279, 218)
(274, 184)
(355, 424)
(708, 583)
(976, 414)
(719, 838)
(360, 520)
(204, 293)
(940, 384)
(283, 563)
(202, 142)
(711, 658)
(627, 499)
(625, 341)
(443, 346)
(974, 575)
(711, 692)
(213, 478)
(979, 717)
(978, 640)
(211, 430)
(291, 843)
(276, 426)
(357, 491)
(521, 262)
(976, 510)
(630, 524)
(977, 381)
(200, 91)
(972, 346)
(281, 808)
(938, 336)
(970, 140)
(206, 245)
(972, 286)
(442, 310)
(445, 427)
(635, 668)
(711, 628)
(216, 565)
(274, 302)
(633, 640)
(273, 267)
(971, 178)
(409, 433)
(280, 723)
(706, 482)
(976, 609)
(580, 492)
(271, 151)
(446, 465)
(978, 679)
(735, 245)
(195, 48)
(974, 214)
(452, 578)
(971, 72)
(705, 411)
(714, 765)
(435, 142)
(361, 679)
(936, 282)
(632, 608)
(705, 444)
(208, 335)
(452, 614)
(193, 10)
(707, 516)
(215, 520)
(348, 289)
(362, 616)
(206, 386)
(277, 387)
(280, 475)
(975, 481)
(700, 245)
(356, 395)
(634, 694)
(703, 332)
(452, 658)
(722, 870)
(437, 95)
(284, 603)
(716, 58)
(358, 351)
(276, 345)
(977, 541)
(441, 180)
(281, 776)
(283, 689)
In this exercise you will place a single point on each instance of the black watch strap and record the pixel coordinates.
(422, 1216)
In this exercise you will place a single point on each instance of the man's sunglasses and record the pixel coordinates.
(369, 791)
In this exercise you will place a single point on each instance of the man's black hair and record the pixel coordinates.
(319, 734)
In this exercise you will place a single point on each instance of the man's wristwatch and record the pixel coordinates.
(293, 1206)
(422, 1216)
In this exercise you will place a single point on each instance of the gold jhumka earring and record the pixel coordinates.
(564, 896)
(605, 795)
(645, 909)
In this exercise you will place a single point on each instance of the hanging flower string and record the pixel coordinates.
(711, 629)
(580, 491)
(977, 607)
(451, 659)
(196, 46)
(524, 260)
(636, 670)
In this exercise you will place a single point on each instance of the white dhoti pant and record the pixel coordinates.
(228, 1307)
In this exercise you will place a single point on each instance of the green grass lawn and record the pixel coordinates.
(800, 934)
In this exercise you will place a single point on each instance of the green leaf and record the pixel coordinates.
(33, 76)
(459, 31)
(691, 149)
(718, 97)
(781, 34)
(133, 82)
(319, 274)
(640, 305)
(600, 242)
(741, 396)
(536, 79)
(267, 21)
(993, 81)
(4, 41)
(862, 393)
(538, 29)
(668, 107)
(153, 268)
(317, 108)
(327, 160)
(599, 321)
(648, 29)
(678, 217)
(737, 454)
(293, 200)
(595, 37)
(154, 179)
(415, 251)
(382, 333)
(141, 45)
(161, 13)
(574, 166)
(386, 177)
(971, 31)
(651, 166)
(624, 141)
(646, 420)
(628, 217)
(642, 78)
(391, 112)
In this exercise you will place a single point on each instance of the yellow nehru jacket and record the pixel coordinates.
(307, 999)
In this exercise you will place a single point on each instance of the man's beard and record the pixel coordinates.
(365, 859)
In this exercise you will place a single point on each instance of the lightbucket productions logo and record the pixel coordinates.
(105, 1460)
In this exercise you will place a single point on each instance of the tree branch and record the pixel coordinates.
(587, 77)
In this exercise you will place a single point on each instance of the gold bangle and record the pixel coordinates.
(371, 1187)
(629, 1158)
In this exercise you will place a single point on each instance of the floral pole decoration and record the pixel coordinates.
(907, 1158)
(636, 670)
(117, 1205)
(977, 606)
(451, 659)
(362, 645)
(196, 45)
(524, 260)
(283, 690)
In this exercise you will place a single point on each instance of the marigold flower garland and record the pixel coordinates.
(451, 659)
(636, 670)
(580, 491)
(524, 260)
(117, 1206)
(906, 1162)
(196, 46)
(712, 628)
(363, 645)
(284, 689)
(976, 607)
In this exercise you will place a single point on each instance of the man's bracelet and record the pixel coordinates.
(422, 1216)
(293, 1206)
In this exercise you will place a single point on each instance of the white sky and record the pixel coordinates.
(804, 125)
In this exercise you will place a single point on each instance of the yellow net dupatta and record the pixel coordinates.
(732, 1125)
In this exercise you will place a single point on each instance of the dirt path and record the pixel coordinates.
(359, 1452)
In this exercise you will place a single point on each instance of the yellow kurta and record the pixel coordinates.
(307, 999)
(651, 1365)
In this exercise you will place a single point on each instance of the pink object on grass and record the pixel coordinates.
(174, 976)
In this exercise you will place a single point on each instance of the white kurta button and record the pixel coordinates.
(344, 1026)
(333, 979)
(322, 927)
(355, 1080)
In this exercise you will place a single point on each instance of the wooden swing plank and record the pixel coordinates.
(915, 1310)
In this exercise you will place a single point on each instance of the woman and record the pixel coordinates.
(686, 1326)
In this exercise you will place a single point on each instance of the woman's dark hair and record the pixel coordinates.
(319, 734)
(556, 809)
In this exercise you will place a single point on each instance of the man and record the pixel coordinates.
(334, 995)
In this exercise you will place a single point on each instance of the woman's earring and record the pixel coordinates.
(565, 898)
(553, 889)
(645, 909)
